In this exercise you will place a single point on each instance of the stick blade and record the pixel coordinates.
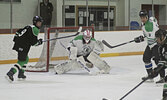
(105, 43)
(79, 31)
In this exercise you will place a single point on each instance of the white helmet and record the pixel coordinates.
(87, 35)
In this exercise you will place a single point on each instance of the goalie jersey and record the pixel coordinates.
(25, 38)
(83, 49)
(149, 28)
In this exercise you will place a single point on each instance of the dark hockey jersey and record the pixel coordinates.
(25, 38)
(163, 51)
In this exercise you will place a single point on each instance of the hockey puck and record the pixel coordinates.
(104, 99)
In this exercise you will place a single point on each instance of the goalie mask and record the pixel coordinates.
(160, 36)
(87, 35)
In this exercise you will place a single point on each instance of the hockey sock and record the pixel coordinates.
(148, 67)
(13, 70)
(22, 63)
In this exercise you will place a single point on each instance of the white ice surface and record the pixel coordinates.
(126, 73)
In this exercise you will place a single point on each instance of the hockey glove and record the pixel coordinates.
(139, 39)
(162, 64)
(39, 42)
(154, 73)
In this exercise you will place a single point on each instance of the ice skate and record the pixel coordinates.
(162, 80)
(9, 75)
(21, 75)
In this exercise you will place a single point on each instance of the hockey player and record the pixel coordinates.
(149, 27)
(162, 64)
(161, 36)
(23, 40)
(86, 50)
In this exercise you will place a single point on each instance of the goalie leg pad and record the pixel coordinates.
(81, 59)
(66, 66)
(99, 63)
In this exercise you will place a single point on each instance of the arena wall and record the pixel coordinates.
(7, 55)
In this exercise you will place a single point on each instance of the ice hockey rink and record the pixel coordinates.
(125, 74)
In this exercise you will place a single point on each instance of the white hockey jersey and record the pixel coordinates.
(149, 28)
(83, 49)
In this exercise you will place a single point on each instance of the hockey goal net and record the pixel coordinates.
(54, 52)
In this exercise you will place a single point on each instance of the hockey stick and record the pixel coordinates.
(79, 30)
(108, 45)
(131, 89)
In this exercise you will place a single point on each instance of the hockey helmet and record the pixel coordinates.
(87, 35)
(37, 19)
(160, 36)
(143, 13)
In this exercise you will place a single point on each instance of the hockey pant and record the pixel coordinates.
(152, 53)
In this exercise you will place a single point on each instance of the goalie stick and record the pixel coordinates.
(108, 45)
(79, 30)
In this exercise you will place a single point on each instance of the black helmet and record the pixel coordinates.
(160, 33)
(143, 13)
(37, 19)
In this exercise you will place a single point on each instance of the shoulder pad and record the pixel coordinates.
(35, 30)
(152, 19)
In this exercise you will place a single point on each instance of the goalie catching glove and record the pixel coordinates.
(139, 39)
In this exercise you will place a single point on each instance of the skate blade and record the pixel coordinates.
(93, 73)
(8, 79)
(149, 81)
(103, 72)
(159, 84)
(21, 79)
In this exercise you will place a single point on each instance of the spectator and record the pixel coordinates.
(46, 9)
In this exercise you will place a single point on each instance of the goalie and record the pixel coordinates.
(84, 52)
